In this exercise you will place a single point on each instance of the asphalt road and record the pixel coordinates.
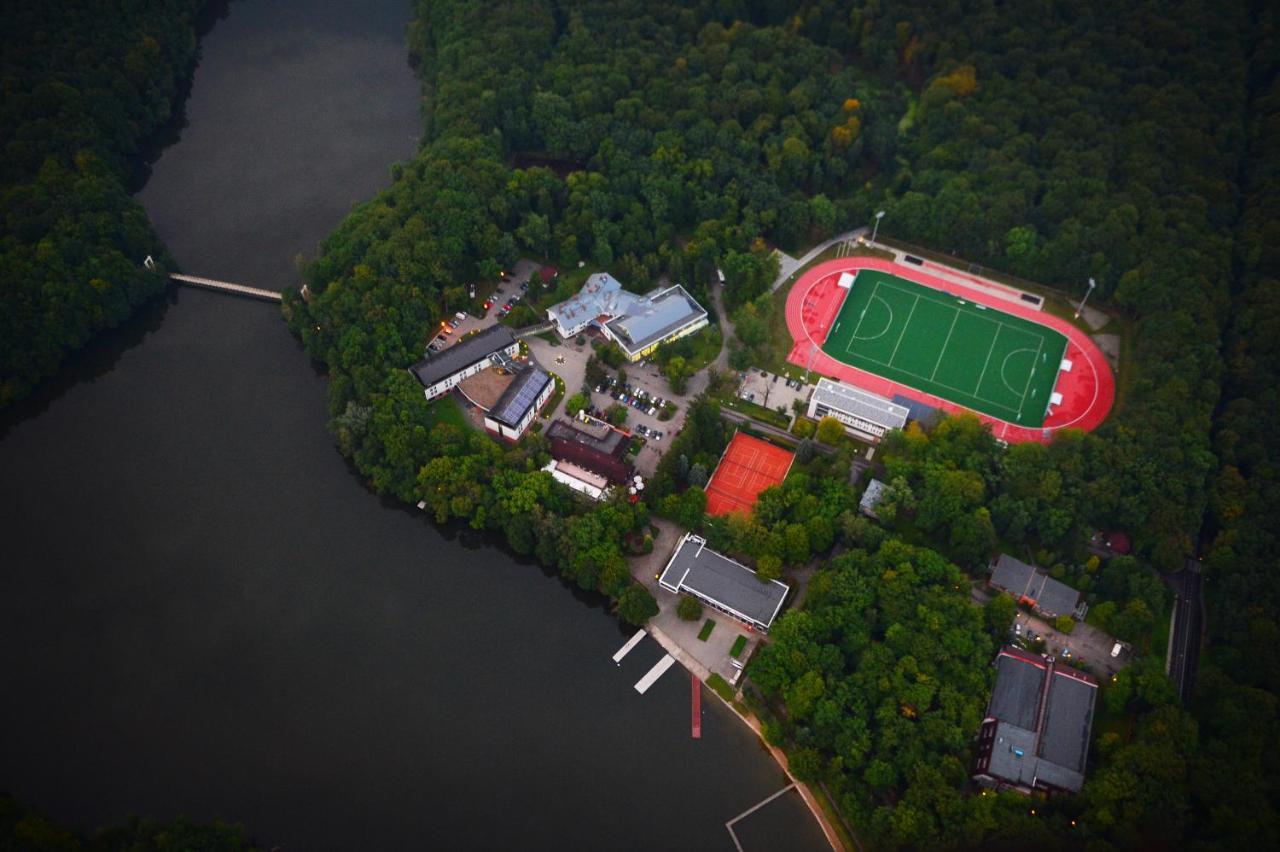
(1184, 649)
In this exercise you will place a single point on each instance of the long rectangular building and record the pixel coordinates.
(442, 372)
(1033, 587)
(862, 412)
(723, 583)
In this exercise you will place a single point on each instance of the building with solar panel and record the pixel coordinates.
(638, 324)
(519, 403)
(1036, 733)
(864, 414)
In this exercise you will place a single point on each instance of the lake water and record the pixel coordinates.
(204, 612)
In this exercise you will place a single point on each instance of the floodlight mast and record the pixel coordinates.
(876, 228)
(1092, 284)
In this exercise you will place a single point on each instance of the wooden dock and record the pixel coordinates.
(227, 287)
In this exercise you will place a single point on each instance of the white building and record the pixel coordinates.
(577, 478)
(638, 324)
(511, 415)
(441, 373)
(862, 413)
(723, 583)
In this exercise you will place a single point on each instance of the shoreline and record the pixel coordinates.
(702, 673)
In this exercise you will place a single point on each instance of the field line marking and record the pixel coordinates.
(987, 363)
(952, 388)
(938, 363)
(865, 308)
(1031, 376)
(903, 333)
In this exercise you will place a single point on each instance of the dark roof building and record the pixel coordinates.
(1036, 734)
(519, 397)
(591, 445)
(723, 583)
(1035, 588)
(466, 357)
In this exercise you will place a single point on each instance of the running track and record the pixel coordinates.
(1088, 391)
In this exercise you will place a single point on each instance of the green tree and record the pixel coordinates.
(830, 431)
(769, 567)
(999, 613)
(689, 608)
(576, 403)
(636, 606)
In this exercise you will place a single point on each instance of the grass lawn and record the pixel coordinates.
(558, 394)
(721, 687)
(707, 627)
(738, 645)
(447, 410)
(759, 412)
(979, 357)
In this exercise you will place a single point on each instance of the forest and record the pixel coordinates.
(85, 85)
(1133, 143)
(1060, 144)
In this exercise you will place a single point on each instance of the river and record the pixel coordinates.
(203, 611)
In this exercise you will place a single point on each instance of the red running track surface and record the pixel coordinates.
(1088, 391)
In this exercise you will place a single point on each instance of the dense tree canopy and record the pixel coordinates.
(85, 84)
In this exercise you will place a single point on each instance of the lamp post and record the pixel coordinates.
(875, 230)
(1092, 284)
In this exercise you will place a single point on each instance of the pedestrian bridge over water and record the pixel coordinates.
(226, 287)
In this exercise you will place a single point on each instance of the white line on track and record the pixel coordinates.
(938, 363)
(865, 308)
(903, 333)
(986, 363)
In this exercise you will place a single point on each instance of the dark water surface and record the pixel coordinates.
(204, 612)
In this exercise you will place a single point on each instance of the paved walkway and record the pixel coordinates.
(788, 265)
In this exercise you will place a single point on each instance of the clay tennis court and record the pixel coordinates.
(748, 466)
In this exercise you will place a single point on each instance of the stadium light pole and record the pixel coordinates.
(876, 228)
(1092, 284)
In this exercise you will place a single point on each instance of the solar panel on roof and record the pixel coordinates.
(519, 397)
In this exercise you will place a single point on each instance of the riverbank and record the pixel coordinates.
(645, 569)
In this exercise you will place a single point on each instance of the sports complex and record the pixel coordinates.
(951, 341)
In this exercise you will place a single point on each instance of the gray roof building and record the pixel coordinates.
(1034, 587)
(862, 410)
(1036, 734)
(871, 498)
(463, 354)
(521, 395)
(653, 319)
(723, 583)
(637, 323)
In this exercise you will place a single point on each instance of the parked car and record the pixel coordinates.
(657, 436)
(460, 316)
(653, 409)
(524, 285)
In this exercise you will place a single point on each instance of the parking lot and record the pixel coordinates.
(771, 390)
(1086, 644)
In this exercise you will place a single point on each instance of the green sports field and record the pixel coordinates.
(975, 356)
